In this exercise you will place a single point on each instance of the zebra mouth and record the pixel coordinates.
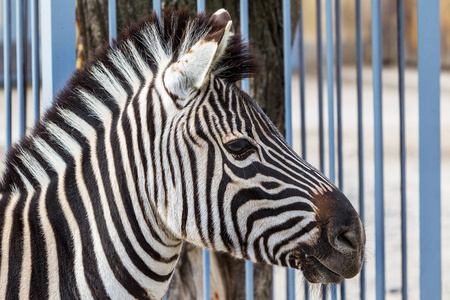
(314, 271)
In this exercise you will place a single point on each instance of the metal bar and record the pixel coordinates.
(245, 34)
(330, 87)
(359, 62)
(340, 169)
(320, 98)
(20, 65)
(157, 8)
(112, 24)
(378, 145)
(246, 88)
(330, 93)
(290, 273)
(320, 84)
(206, 254)
(287, 69)
(206, 275)
(401, 91)
(58, 46)
(7, 68)
(301, 56)
(429, 55)
(201, 7)
(248, 280)
(302, 81)
(35, 78)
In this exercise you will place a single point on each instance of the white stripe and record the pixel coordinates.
(6, 235)
(25, 273)
(99, 109)
(110, 83)
(124, 67)
(139, 62)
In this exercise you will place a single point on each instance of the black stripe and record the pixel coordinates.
(15, 249)
(39, 280)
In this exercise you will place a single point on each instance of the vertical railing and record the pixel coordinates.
(112, 21)
(378, 145)
(401, 91)
(290, 273)
(21, 63)
(429, 66)
(201, 6)
(340, 171)
(243, 9)
(301, 57)
(359, 65)
(330, 94)
(58, 43)
(35, 75)
(7, 68)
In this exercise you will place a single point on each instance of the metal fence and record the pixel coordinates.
(57, 57)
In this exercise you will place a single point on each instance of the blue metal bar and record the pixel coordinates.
(58, 43)
(287, 69)
(206, 254)
(206, 275)
(330, 87)
(301, 56)
(112, 21)
(245, 34)
(248, 280)
(320, 84)
(246, 87)
(330, 92)
(359, 63)
(287, 110)
(429, 55)
(201, 7)
(35, 78)
(320, 98)
(302, 80)
(401, 90)
(21, 65)
(157, 8)
(378, 144)
(7, 68)
(337, 12)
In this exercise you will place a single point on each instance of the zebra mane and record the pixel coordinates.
(155, 41)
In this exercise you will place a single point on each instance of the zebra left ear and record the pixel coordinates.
(191, 71)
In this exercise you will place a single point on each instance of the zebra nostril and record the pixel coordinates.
(346, 242)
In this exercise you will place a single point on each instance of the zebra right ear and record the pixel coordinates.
(191, 71)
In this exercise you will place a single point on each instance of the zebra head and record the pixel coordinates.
(233, 182)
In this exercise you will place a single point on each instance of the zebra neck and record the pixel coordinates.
(84, 181)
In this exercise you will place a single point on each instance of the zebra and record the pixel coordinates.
(149, 145)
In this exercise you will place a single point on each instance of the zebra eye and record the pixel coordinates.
(241, 148)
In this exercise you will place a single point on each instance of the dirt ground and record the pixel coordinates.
(350, 158)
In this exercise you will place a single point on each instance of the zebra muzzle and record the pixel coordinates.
(339, 251)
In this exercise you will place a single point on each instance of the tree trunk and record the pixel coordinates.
(266, 41)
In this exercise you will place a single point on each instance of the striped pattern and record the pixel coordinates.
(97, 201)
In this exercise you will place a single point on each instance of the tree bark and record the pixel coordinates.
(266, 41)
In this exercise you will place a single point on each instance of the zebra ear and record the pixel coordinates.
(191, 71)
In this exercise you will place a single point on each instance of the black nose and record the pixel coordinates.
(342, 226)
(344, 234)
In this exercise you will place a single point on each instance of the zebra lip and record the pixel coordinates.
(315, 271)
